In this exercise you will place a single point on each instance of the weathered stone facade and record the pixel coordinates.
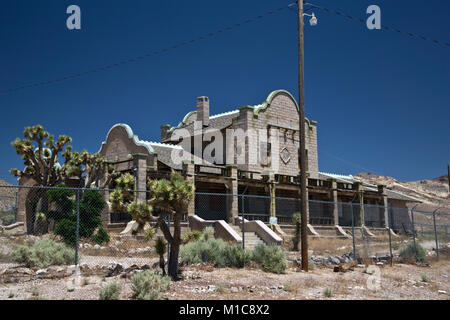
(278, 114)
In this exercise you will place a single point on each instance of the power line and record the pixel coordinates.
(154, 53)
(386, 28)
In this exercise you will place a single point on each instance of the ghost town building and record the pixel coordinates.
(271, 192)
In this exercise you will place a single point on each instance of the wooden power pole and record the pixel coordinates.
(448, 168)
(302, 136)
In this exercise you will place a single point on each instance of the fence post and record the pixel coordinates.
(435, 232)
(77, 236)
(353, 232)
(242, 225)
(413, 229)
(390, 236)
(16, 211)
(168, 244)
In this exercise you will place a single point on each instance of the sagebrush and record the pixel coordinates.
(410, 253)
(110, 292)
(271, 258)
(216, 251)
(44, 253)
(147, 285)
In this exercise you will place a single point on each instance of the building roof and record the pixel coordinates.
(224, 120)
(367, 186)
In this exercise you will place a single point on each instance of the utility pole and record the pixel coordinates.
(448, 176)
(303, 160)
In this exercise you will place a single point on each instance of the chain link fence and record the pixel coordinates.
(99, 233)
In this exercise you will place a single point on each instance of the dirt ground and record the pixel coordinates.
(203, 282)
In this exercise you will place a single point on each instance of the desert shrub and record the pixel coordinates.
(193, 235)
(101, 236)
(211, 250)
(44, 253)
(424, 278)
(221, 254)
(271, 258)
(409, 253)
(7, 218)
(207, 233)
(148, 285)
(110, 292)
(328, 292)
(235, 256)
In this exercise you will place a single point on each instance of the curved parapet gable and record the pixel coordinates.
(121, 138)
(271, 97)
(183, 122)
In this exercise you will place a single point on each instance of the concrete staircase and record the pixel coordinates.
(251, 238)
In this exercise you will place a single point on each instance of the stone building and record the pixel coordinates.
(270, 190)
(276, 190)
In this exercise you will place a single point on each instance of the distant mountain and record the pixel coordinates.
(442, 179)
(7, 195)
(431, 192)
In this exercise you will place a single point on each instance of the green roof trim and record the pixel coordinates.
(139, 155)
(268, 102)
(183, 122)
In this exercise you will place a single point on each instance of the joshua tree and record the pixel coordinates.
(172, 198)
(39, 151)
(88, 168)
(160, 247)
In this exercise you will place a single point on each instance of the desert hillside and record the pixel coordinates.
(431, 192)
(7, 195)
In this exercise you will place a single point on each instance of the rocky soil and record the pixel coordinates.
(346, 280)
(204, 282)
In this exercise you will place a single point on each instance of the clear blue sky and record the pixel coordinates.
(381, 99)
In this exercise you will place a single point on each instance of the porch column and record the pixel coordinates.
(232, 198)
(189, 172)
(140, 167)
(359, 189)
(384, 201)
(334, 199)
(269, 177)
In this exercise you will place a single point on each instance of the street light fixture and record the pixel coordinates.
(313, 20)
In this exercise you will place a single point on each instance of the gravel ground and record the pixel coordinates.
(204, 282)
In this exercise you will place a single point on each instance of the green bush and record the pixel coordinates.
(91, 206)
(110, 292)
(221, 254)
(210, 250)
(101, 236)
(7, 218)
(43, 254)
(271, 258)
(236, 256)
(67, 229)
(207, 233)
(409, 253)
(328, 292)
(147, 285)
(193, 235)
